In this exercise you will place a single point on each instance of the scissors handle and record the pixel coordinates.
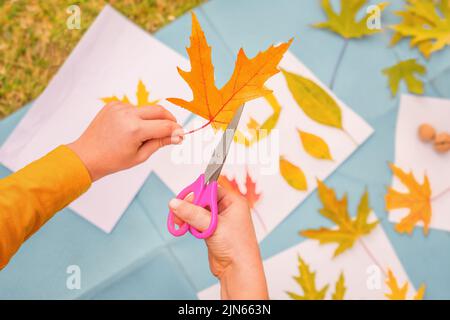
(205, 196)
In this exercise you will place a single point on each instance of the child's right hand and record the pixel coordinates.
(233, 250)
(122, 136)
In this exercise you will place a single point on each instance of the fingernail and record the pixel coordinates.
(175, 203)
(177, 140)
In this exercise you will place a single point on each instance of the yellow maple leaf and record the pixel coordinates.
(406, 70)
(348, 230)
(340, 289)
(306, 279)
(427, 22)
(400, 293)
(141, 97)
(246, 83)
(345, 23)
(417, 200)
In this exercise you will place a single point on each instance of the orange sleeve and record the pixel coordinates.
(32, 195)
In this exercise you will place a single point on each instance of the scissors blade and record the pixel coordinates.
(219, 156)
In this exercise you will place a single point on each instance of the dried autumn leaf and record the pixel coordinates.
(115, 98)
(293, 175)
(307, 282)
(348, 230)
(250, 193)
(406, 71)
(399, 293)
(259, 131)
(427, 22)
(141, 96)
(315, 102)
(345, 23)
(340, 289)
(417, 200)
(315, 145)
(246, 83)
(420, 293)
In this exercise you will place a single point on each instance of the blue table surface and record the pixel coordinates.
(140, 260)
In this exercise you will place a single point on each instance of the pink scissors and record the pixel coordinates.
(204, 188)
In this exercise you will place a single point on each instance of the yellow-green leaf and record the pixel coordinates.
(348, 230)
(339, 291)
(315, 102)
(314, 145)
(293, 175)
(427, 23)
(345, 23)
(400, 293)
(306, 279)
(406, 71)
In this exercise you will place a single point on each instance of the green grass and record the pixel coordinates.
(34, 39)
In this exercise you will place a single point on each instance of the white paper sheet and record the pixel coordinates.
(278, 199)
(412, 154)
(364, 276)
(110, 59)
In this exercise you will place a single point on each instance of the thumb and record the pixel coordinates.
(194, 215)
(151, 146)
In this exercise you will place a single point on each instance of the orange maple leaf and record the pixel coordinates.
(417, 200)
(246, 83)
(250, 193)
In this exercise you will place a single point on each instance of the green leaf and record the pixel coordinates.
(315, 102)
(345, 23)
(307, 282)
(348, 230)
(406, 71)
(427, 23)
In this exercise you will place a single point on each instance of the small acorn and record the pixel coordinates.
(426, 132)
(442, 142)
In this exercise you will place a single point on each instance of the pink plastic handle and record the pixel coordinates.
(208, 199)
(196, 188)
(204, 196)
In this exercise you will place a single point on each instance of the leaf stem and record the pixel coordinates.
(338, 64)
(372, 256)
(439, 195)
(260, 219)
(198, 129)
(350, 137)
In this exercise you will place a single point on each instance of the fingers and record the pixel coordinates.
(196, 216)
(156, 129)
(227, 198)
(189, 198)
(151, 146)
(155, 112)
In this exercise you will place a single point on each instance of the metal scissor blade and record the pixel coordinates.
(219, 155)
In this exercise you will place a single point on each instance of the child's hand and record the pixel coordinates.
(233, 250)
(122, 136)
